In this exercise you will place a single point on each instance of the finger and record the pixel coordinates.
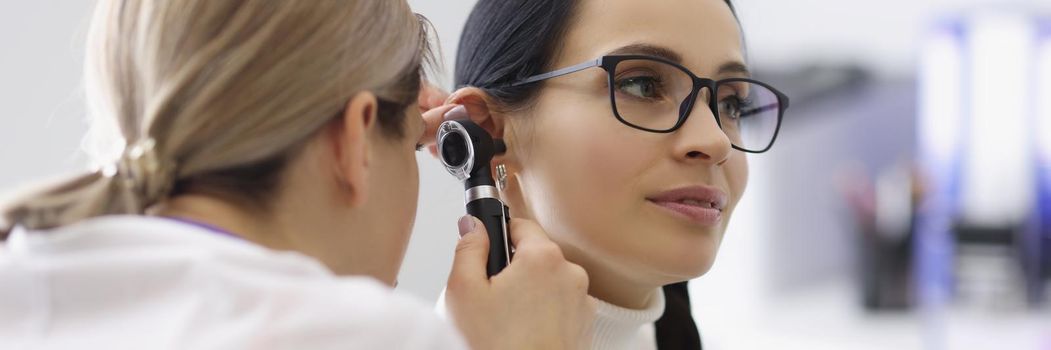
(525, 231)
(431, 96)
(472, 253)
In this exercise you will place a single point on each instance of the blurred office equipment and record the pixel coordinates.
(982, 142)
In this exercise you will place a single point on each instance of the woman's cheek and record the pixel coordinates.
(585, 177)
(613, 166)
(739, 174)
(736, 172)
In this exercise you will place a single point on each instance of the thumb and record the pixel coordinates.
(472, 252)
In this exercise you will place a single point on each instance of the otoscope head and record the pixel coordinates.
(466, 149)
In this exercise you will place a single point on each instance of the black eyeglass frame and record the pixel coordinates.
(609, 64)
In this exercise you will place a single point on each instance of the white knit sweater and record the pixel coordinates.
(617, 328)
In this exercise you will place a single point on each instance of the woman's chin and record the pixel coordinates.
(693, 257)
(673, 268)
(690, 270)
(676, 254)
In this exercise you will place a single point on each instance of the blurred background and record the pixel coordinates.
(906, 205)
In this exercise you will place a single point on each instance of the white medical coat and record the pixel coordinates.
(133, 282)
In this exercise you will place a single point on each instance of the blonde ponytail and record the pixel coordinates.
(217, 95)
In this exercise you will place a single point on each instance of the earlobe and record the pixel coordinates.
(352, 145)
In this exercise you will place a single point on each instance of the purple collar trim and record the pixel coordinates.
(207, 227)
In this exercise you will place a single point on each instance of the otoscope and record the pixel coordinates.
(466, 150)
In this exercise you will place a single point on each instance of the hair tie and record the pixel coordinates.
(147, 178)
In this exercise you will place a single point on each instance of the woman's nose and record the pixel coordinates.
(700, 139)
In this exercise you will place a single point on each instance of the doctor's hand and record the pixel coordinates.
(539, 301)
(431, 103)
(431, 97)
(434, 118)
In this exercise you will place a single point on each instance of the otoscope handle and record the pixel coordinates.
(493, 214)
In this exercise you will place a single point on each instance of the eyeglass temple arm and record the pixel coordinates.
(554, 74)
(760, 109)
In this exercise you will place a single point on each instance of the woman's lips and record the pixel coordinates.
(700, 205)
(697, 215)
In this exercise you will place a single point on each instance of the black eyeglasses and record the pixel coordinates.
(657, 95)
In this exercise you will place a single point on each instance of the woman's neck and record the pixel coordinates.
(608, 284)
(292, 224)
(227, 217)
(616, 293)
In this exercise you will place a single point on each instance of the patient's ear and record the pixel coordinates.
(483, 110)
(478, 106)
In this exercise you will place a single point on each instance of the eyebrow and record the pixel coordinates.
(734, 67)
(649, 50)
(728, 68)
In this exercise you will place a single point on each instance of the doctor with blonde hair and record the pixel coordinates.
(264, 196)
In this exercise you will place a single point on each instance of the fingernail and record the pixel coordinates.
(458, 113)
(465, 225)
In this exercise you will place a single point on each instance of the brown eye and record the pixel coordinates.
(642, 87)
(731, 106)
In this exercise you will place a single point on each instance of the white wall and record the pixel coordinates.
(41, 107)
